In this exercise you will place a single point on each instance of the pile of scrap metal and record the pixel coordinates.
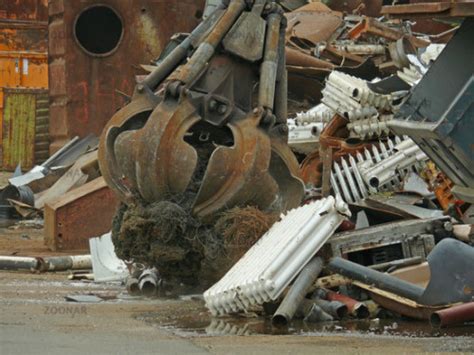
(26, 192)
(206, 132)
(388, 224)
(61, 190)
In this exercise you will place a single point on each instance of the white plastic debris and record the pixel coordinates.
(275, 260)
(105, 263)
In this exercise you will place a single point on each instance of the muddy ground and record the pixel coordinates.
(36, 317)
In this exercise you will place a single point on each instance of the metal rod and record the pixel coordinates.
(268, 69)
(297, 292)
(281, 88)
(376, 278)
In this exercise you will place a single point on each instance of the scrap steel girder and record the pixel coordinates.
(209, 123)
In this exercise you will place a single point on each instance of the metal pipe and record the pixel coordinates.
(395, 264)
(281, 88)
(132, 286)
(148, 282)
(453, 315)
(63, 263)
(268, 68)
(297, 292)
(355, 308)
(376, 278)
(206, 49)
(311, 312)
(18, 263)
(178, 54)
(335, 309)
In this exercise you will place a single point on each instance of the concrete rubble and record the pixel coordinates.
(289, 161)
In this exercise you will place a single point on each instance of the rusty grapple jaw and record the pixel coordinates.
(210, 130)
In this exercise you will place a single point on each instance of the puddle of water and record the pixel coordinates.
(202, 324)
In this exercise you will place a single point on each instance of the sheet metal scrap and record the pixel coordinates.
(198, 127)
(456, 8)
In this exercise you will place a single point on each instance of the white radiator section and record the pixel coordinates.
(304, 138)
(318, 113)
(406, 154)
(370, 127)
(351, 97)
(275, 260)
(385, 166)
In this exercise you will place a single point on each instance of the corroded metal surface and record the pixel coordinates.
(430, 9)
(209, 136)
(88, 89)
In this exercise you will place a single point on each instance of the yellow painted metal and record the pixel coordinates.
(18, 136)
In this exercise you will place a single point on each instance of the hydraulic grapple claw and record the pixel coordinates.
(209, 135)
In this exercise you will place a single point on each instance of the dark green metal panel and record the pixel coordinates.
(20, 127)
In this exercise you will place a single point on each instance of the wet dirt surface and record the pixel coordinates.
(198, 322)
(34, 313)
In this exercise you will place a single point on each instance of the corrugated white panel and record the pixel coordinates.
(275, 260)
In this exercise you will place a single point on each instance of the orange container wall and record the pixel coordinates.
(23, 69)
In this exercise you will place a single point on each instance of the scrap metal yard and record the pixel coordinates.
(236, 176)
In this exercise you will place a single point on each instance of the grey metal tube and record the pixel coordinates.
(268, 69)
(335, 309)
(281, 89)
(171, 61)
(317, 314)
(297, 292)
(372, 277)
(18, 263)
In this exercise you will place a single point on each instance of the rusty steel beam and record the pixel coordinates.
(430, 9)
(372, 26)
